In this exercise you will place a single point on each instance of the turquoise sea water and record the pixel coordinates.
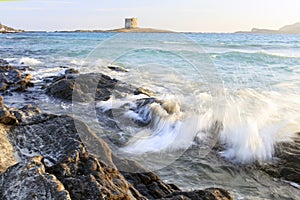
(250, 83)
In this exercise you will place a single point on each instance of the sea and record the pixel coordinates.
(225, 101)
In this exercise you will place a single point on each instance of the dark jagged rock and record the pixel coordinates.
(87, 178)
(53, 137)
(3, 62)
(13, 79)
(206, 194)
(287, 167)
(56, 140)
(86, 87)
(27, 114)
(29, 180)
(54, 162)
(62, 89)
(117, 68)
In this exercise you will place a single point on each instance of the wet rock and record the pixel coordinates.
(6, 117)
(146, 182)
(62, 89)
(3, 62)
(117, 68)
(71, 71)
(27, 114)
(144, 91)
(87, 178)
(56, 140)
(29, 180)
(54, 164)
(51, 136)
(287, 164)
(206, 194)
(12, 79)
(87, 87)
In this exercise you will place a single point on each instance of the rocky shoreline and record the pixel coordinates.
(44, 157)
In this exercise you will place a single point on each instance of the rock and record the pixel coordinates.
(55, 139)
(287, 166)
(54, 164)
(87, 178)
(146, 182)
(7, 157)
(3, 62)
(51, 136)
(206, 194)
(117, 68)
(87, 87)
(12, 79)
(71, 71)
(27, 114)
(62, 89)
(144, 91)
(29, 180)
(6, 117)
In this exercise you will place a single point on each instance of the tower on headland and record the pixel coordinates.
(131, 23)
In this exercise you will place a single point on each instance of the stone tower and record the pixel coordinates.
(131, 23)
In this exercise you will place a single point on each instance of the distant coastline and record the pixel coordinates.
(123, 30)
(6, 29)
(288, 29)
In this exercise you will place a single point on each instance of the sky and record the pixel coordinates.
(176, 15)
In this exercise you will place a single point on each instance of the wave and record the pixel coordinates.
(246, 124)
(254, 123)
(30, 61)
(253, 54)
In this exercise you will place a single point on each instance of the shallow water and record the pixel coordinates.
(239, 91)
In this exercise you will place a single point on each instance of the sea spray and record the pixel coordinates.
(254, 123)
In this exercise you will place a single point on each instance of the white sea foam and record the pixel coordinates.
(78, 62)
(30, 61)
(168, 130)
(254, 123)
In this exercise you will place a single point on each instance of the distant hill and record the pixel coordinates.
(6, 29)
(293, 29)
(288, 29)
